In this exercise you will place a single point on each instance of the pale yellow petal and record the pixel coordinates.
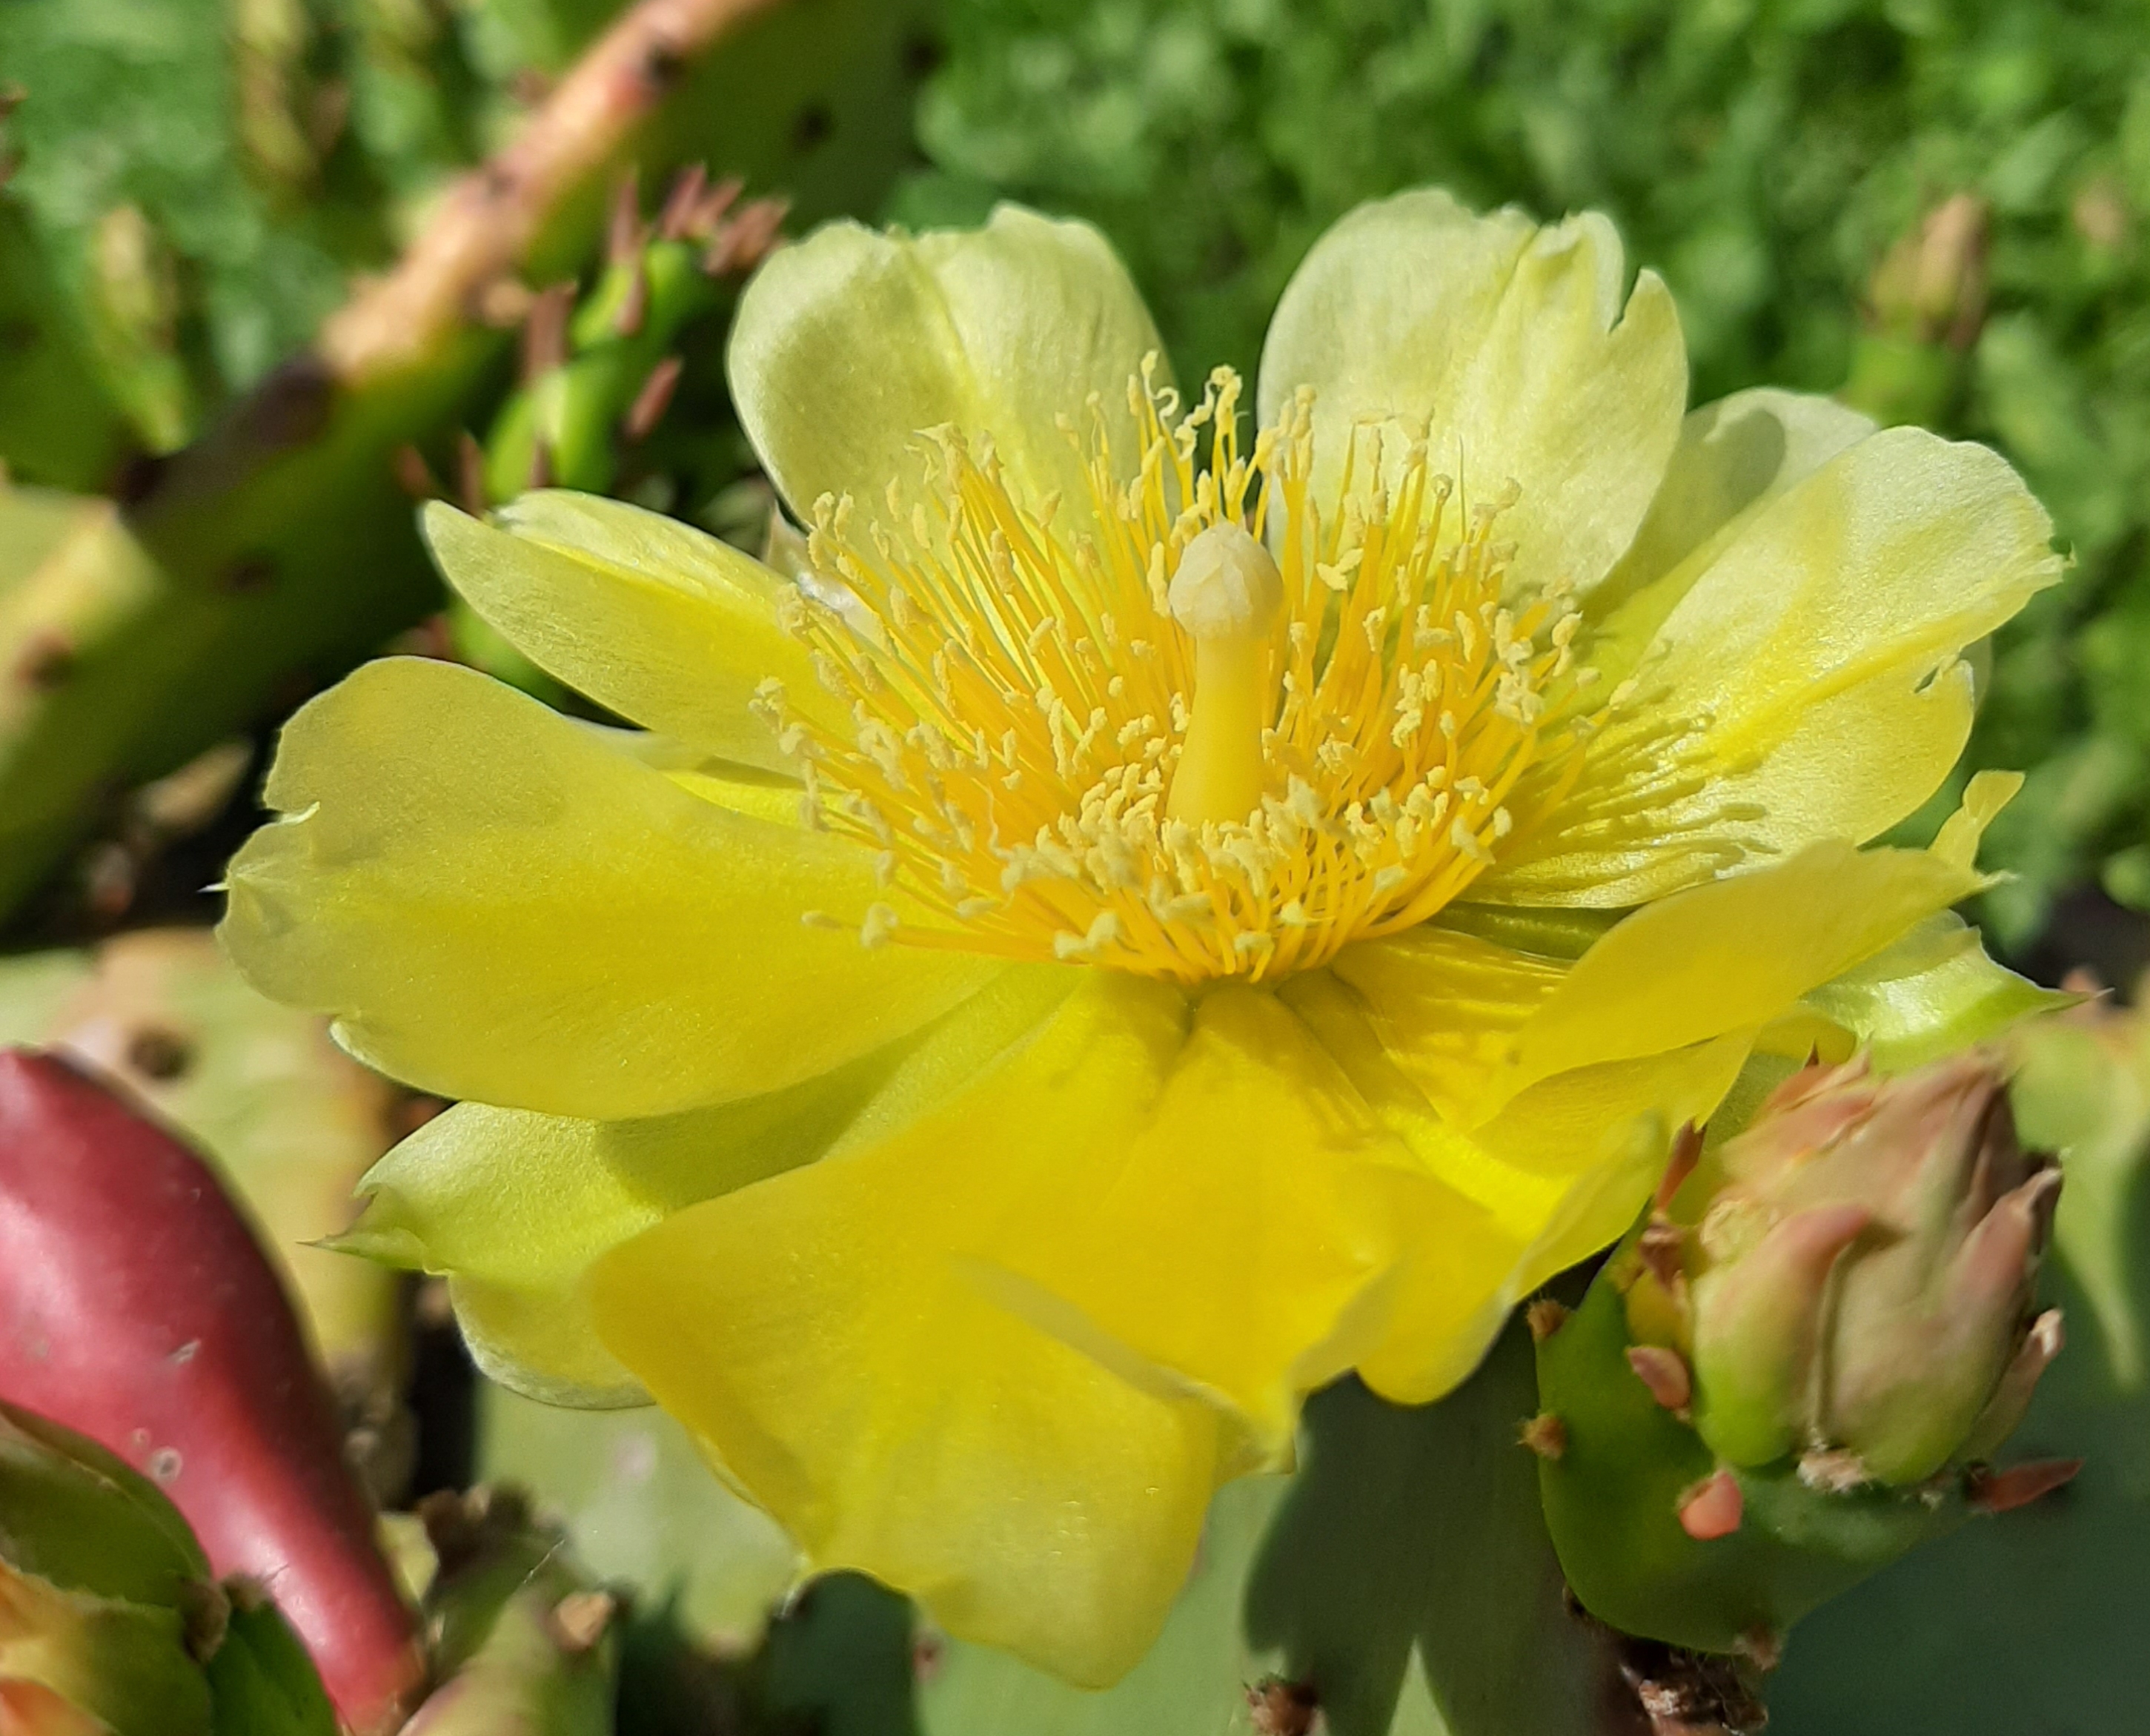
(512, 1207)
(846, 346)
(491, 903)
(1510, 345)
(1983, 797)
(1808, 682)
(828, 1335)
(1734, 457)
(540, 1342)
(649, 617)
(1932, 992)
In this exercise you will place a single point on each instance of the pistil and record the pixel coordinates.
(1226, 594)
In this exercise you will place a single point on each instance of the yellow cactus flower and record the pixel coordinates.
(1153, 909)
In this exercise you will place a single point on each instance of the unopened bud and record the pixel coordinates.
(1866, 1272)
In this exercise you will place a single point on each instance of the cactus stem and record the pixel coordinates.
(1665, 1373)
(2003, 1491)
(1712, 1507)
(1545, 1435)
(1545, 1317)
(485, 222)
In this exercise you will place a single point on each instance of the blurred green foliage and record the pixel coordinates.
(187, 188)
(1762, 157)
(195, 180)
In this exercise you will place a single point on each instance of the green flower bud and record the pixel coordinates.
(1861, 1276)
(1790, 1372)
(110, 1624)
(105, 1602)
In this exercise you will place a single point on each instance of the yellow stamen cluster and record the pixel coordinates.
(1022, 693)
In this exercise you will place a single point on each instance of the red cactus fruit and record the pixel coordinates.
(137, 1307)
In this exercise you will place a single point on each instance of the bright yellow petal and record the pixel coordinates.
(1601, 1133)
(1806, 684)
(1237, 1237)
(655, 619)
(828, 1335)
(492, 903)
(849, 344)
(1459, 1219)
(1446, 1006)
(1495, 1210)
(512, 1207)
(1510, 345)
(1728, 957)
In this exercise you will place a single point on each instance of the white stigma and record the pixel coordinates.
(1227, 586)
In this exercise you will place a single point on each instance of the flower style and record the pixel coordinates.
(1136, 921)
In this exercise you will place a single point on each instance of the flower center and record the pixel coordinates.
(1218, 728)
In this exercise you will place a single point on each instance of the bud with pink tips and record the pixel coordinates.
(1797, 1365)
(1861, 1279)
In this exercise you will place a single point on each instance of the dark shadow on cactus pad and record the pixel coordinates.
(1419, 1530)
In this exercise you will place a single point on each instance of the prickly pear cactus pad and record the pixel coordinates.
(1801, 1363)
(1119, 906)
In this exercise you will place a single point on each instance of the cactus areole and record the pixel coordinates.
(136, 1307)
(1844, 1293)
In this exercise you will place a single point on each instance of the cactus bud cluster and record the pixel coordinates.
(1797, 1365)
(1861, 1280)
(110, 1624)
(598, 375)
